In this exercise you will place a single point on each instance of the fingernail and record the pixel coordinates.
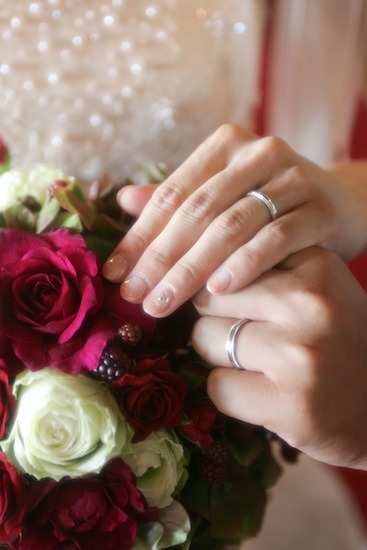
(219, 281)
(134, 288)
(115, 268)
(159, 300)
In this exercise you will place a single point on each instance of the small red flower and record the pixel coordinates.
(14, 500)
(7, 401)
(202, 417)
(151, 396)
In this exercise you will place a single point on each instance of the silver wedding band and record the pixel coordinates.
(273, 211)
(231, 343)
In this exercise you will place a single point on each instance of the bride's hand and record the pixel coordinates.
(198, 226)
(304, 351)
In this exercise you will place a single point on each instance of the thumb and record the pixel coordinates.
(133, 198)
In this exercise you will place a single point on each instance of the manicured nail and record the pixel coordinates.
(159, 300)
(115, 268)
(219, 281)
(134, 288)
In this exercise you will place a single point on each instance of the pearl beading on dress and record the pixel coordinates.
(106, 85)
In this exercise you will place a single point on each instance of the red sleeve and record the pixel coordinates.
(359, 151)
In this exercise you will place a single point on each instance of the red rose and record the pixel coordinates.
(202, 417)
(14, 498)
(9, 362)
(151, 396)
(95, 511)
(51, 300)
(7, 401)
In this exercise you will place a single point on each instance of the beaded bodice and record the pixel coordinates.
(104, 85)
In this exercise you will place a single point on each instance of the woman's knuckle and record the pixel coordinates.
(253, 259)
(229, 132)
(190, 271)
(229, 224)
(278, 234)
(160, 256)
(197, 206)
(273, 147)
(167, 198)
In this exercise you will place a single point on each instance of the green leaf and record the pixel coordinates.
(5, 165)
(105, 225)
(72, 198)
(245, 450)
(265, 468)
(70, 221)
(156, 173)
(195, 494)
(47, 214)
(101, 246)
(237, 508)
(203, 540)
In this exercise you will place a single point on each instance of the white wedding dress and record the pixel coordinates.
(107, 85)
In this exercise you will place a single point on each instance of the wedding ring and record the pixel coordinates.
(265, 200)
(231, 343)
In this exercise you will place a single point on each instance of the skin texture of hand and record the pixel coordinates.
(305, 355)
(197, 227)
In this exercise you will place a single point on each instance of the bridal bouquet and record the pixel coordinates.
(107, 437)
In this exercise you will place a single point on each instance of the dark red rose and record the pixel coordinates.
(100, 512)
(14, 500)
(202, 416)
(7, 401)
(53, 301)
(151, 396)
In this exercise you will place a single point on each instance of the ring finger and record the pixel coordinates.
(258, 346)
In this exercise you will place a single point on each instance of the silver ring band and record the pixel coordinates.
(265, 200)
(231, 343)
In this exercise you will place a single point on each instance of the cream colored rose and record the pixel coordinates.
(31, 181)
(159, 465)
(64, 425)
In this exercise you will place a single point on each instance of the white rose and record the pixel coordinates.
(64, 425)
(32, 181)
(159, 465)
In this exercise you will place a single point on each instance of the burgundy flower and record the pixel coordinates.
(7, 401)
(52, 300)
(202, 417)
(9, 362)
(14, 499)
(151, 396)
(95, 511)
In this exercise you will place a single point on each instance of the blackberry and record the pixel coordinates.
(130, 333)
(214, 463)
(212, 472)
(113, 363)
(218, 452)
